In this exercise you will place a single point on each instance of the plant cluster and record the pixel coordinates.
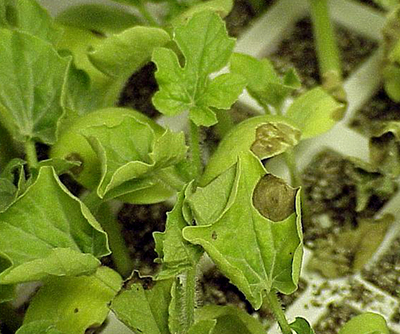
(60, 80)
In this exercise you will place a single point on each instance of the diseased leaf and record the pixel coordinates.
(207, 48)
(301, 326)
(230, 320)
(48, 232)
(144, 310)
(122, 54)
(41, 326)
(366, 323)
(256, 253)
(103, 19)
(384, 148)
(30, 95)
(264, 84)
(315, 112)
(81, 303)
(174, 252)
(349, 251)
(131, 151)
(266, 136)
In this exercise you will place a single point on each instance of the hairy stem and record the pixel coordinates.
(120, 252)
(31, 155)
(275, 307)
(189, 302)
(195, 150)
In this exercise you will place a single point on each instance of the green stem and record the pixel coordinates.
(275, 306)
(120, 252)
(31, 155)
(195, 149)
(171, 179)
(146, 14)
(327, 50)
(189, 301)
(225, 122)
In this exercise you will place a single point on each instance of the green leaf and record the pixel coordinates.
(207, 48)
(366, 323)
(264, 84)
(315, 112)
(48, 232)
(131, 150)
(29, 17)
(30, 94)
(203, 327)
(81, 303)
(266, 136)
(41, 326)
(301, 326)
(122, 54)
(103, 19)
(12, 183)
(7, 292)
(221, 7)
(144, 310)
(249, 224)
(230, 320)
(174, 252)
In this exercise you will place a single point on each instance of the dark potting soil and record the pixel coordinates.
(138, 224)
(139, 90)
(298, 51)
(215, 288)
(336, 316)
(378, 109)
(242, 13)
(385, 273)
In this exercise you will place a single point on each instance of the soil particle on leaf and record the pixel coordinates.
(298, 51)
(385, 273)
(242, 13)
(380, 108)
(139, 222)
(336, 316)
(139, 90)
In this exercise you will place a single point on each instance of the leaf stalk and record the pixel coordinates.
(31, 154)
(272, 300)
(195, 150)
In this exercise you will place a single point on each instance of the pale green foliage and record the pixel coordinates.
(256, 253)
(30, 95)
(74, 304)
(46, 232)
(207, 48)
(366, 323)
(301, 326)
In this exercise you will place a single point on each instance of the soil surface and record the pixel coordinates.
(139, 222)
(378, 109)
(243, 12)
(298, 51)
(215, 288)
(139, 90)
(385, 273)
(334, 319)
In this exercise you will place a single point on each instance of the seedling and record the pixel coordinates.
(247, 220)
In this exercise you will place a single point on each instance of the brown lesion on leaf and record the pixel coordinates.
(274, 198)
(273, 138)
